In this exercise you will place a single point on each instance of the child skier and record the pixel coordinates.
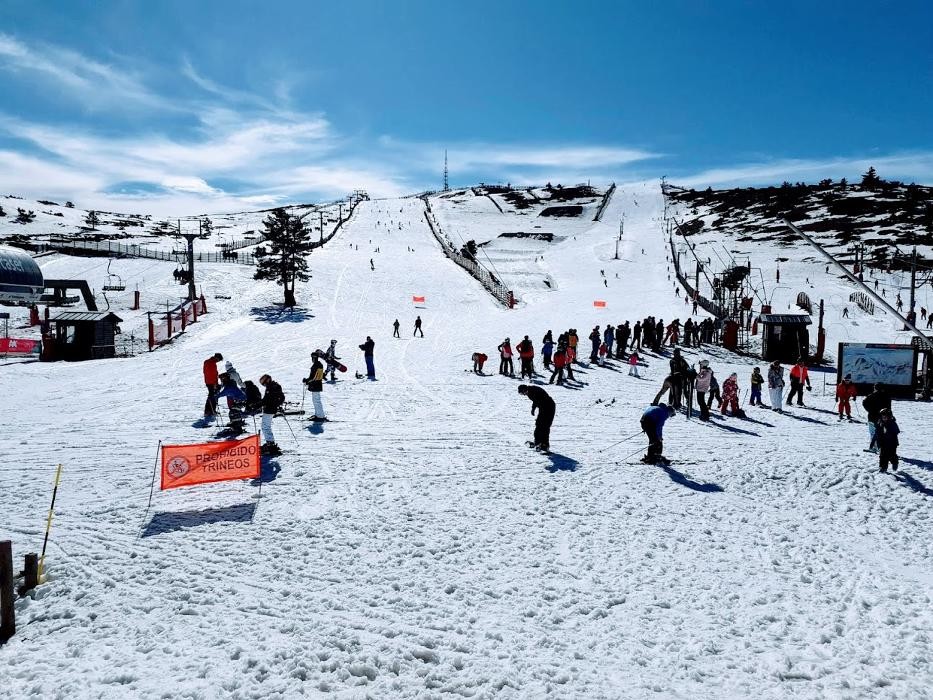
(478, 360)
(886, 432)
(730, 396)
(652, 422)
(633, 364)
(603, 351)
(845, 392)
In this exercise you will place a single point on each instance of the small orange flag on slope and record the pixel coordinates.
(600, 304)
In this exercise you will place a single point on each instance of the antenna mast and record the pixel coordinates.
(446, 183)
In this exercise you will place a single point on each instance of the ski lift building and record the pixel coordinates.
(20, 277)
(784, 337)
(82, 335)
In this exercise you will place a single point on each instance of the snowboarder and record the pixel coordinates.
(505, 358)
(652, 422)
(544, 405)
(776, 385)
(633, 364)
(756, 381)
(874, 403)
(479, 359)
(526, 353)
(331, 358)
(886, 432)
(367, 349)
(211, 379)
(395, 331)
(845, 392)
(730, 396)
(272, 402)
(798, 376)
(315, 383)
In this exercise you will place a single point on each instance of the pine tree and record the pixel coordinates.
(207, 228)
(2, 213)
(289, 241)
(870, 179)
(92, 220)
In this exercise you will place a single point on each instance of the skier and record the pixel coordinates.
(253, 398)
(367, 349)
(211, 379)
(372, 266)
(570, 355)
(315, 383)
(595, 340)
(730, 396)
(560, 359)
(703, 380)
(756, 381)
(609, 337)
(845, 392)
(526, 352)
(547, 349)
(886, 432)
(395, 329)
(633, 364)
(776, 385)
(272, 402)
(622, 335)
(845, 312)
(544, 405)
(331, 358)
(479, 360)
(874, 403)
(572, 340)
(652, 422)
(636, 336)
(798, 376)
(233, 391)
(505, 358)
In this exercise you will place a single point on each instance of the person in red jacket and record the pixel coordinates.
(560, 359)
(526, 353)
(798, 377)
(211, 381)
(845, 392)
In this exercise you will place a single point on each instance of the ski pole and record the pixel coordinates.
(290, 430)
(621, 441)
(628, 456)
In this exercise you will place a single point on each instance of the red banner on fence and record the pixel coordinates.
(187, 465)
(418, 300)
(599, 304)
(19, 346)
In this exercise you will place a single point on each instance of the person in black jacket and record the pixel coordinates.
(886, 432)
(873, 404)
(253, 398)
(636, 336)
(272, 402)
(544, 405)
(367, 349)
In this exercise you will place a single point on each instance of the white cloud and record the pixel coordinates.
(569, 157)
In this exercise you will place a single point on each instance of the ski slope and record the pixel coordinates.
(414, 547)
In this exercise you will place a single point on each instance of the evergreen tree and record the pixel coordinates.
(289, 241)
(92, 220)
(2, 213)
(23, 216)
(870, 179)
(207, 228)
(843, 184)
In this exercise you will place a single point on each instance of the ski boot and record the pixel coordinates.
(270, 449)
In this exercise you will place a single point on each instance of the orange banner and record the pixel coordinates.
(418, 300)
(600, 304)
(187, 465)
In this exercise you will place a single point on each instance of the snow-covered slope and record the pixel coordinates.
(414, 547)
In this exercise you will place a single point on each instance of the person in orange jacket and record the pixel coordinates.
(211, 381)
(798, 377)
(845, 392)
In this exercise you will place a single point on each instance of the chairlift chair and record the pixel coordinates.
(114, 282)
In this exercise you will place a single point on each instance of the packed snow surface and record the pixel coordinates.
(415, 547)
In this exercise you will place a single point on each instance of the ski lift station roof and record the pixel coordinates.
(20, 276)
(78, 316)
(785, 319)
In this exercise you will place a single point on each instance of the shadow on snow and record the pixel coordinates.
(280, 314)
(170, 522)
(562, 463)
(684, 480)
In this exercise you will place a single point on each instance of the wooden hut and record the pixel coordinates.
(83, 335)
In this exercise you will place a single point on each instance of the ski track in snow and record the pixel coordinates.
(414, 547)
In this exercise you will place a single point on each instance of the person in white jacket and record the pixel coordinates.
(703, 382)
(776, 385)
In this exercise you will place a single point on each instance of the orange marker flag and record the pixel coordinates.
(187, 465)
(418, 300)
(600, 304)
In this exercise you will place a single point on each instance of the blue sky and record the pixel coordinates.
(176, 107)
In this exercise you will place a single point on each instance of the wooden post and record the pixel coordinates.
(7, 620)
(30, 573)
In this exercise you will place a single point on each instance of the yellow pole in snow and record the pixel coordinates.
(48, 523)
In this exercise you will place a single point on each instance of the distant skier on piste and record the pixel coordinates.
(418, 328)
(479, 359)
(272, 402)
(330, 356)
(652, 422)
(367, 349)
(395, 333)
(545, 407)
